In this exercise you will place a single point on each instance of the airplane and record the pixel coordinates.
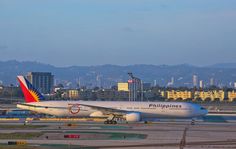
(110, 110)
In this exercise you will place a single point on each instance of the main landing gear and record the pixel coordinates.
(111, 120)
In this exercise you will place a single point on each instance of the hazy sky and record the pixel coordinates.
(123, 32)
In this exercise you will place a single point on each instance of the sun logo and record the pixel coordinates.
(34, 94)
(74, 108)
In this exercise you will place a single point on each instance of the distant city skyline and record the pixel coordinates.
(126, 32)
(108, 75)
(216, 65)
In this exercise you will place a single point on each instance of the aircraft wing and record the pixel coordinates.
(45, 107)
(106, 110)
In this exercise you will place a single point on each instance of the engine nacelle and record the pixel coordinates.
(133, 117)
(96, 114)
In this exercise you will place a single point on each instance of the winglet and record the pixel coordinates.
(30, 93)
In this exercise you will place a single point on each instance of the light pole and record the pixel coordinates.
(11, 87)
(136, 88)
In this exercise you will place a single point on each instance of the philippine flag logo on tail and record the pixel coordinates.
(30, 93)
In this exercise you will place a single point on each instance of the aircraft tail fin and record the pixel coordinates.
(30, 93)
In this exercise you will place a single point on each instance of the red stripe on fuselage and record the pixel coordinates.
(27, 94)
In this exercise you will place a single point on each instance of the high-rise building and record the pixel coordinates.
(172, 80)
(212, 82)
(235, 85)
(43, 81)
(99, 81)
(201, 85)
(195, 81)
(155, 83)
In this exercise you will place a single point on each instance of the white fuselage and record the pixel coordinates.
(146, 109)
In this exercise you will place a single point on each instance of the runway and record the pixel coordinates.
(163, 135)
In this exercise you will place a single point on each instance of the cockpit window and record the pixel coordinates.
(203, 108)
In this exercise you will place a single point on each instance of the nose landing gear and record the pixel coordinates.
(193, 122)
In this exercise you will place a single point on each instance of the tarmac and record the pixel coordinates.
(163, 135)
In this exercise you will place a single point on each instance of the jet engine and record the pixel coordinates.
(96, 114)
(133, 117)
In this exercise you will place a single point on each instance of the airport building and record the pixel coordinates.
(43, 81)
(73, 94)
(178, 94)
(212, 95)
(232, 96)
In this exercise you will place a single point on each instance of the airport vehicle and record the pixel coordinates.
(111, 110)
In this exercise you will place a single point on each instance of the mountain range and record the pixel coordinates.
(108, 75)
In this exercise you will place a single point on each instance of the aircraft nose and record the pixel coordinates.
(200, 111)
(203, 111)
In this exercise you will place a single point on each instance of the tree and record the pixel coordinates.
(198, 100)
(208, 99)
(217, 100)
(96, 88)
(189, 100)
(179, 99)
(234, 100)
(114, 87)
